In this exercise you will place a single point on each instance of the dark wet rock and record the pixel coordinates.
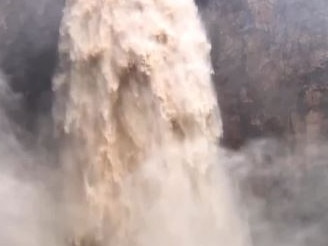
(269, 60)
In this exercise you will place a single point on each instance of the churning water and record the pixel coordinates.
(138, 122)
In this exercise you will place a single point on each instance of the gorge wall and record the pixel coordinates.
(270, 67)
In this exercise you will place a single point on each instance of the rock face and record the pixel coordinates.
(269, 59)
(28, 46)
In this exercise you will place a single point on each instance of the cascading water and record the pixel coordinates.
(139, 122)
